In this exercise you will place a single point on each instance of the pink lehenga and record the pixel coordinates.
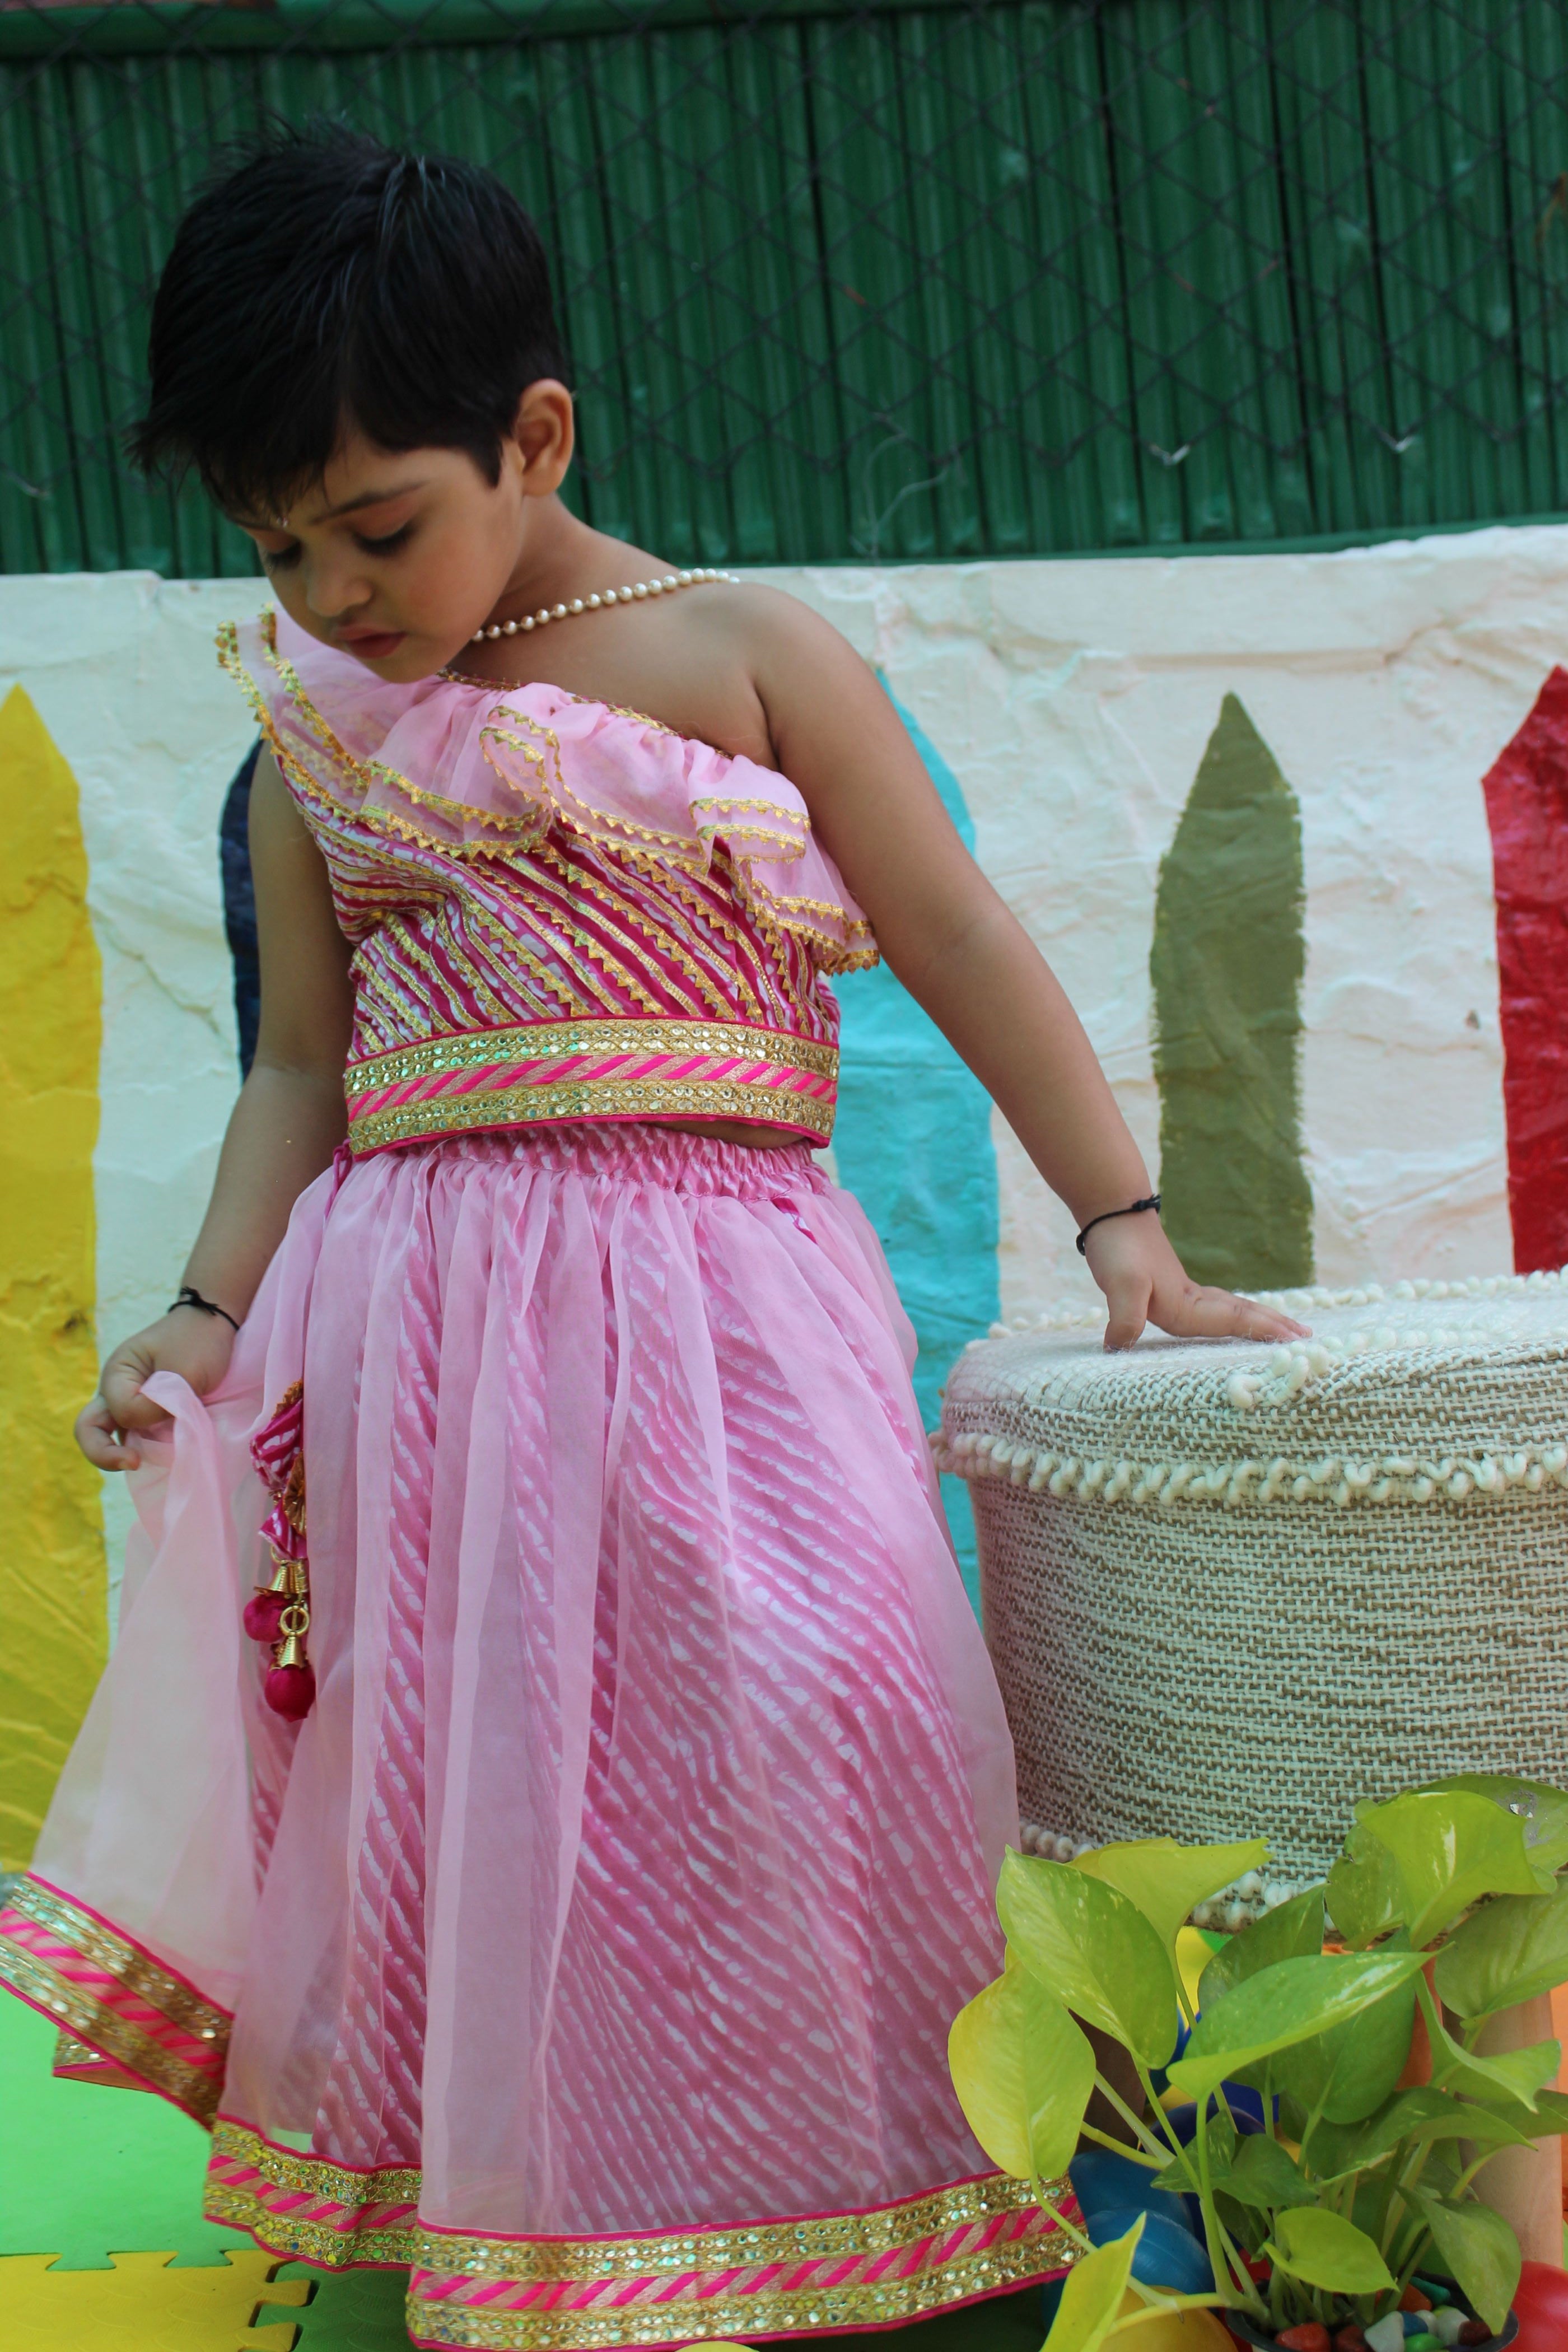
(590, 1946)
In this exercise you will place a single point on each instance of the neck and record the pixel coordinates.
(561, 558)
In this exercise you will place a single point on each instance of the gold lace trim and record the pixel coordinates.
(705, 2254)
(590, 1099)
(542, 1040)
(771, 2311)
(108, 2033)
(135, 1969)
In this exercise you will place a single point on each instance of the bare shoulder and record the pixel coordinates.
(798, 666)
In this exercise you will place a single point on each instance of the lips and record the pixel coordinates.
(371, 644)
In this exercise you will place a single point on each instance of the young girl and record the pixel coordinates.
(566, 1889)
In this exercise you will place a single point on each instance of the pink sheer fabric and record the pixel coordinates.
(640, 1849)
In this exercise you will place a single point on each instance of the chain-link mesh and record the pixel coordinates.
(851, 281)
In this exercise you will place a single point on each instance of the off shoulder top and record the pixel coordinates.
(559, 910)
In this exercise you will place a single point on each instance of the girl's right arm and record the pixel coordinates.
(286, 1126)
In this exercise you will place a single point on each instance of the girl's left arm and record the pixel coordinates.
(962, 956)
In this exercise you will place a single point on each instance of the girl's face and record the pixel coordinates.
(397, 558)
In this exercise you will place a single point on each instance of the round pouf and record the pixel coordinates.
(1230, 1590)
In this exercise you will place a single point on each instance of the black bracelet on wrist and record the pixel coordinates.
(189, 1298)
(1134, 1209)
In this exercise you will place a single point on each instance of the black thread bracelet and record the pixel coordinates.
(1131, 1210)
(189, 1298)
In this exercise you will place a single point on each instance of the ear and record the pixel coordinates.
(545, 431)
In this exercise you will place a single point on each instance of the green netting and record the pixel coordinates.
(853, 281)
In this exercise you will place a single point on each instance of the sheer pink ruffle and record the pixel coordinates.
(640, 1849)
(468, 763)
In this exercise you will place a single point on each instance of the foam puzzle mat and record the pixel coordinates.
(103, 2249)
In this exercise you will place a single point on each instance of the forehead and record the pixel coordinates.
(358, 475)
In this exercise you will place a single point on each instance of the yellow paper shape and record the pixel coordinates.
(53, 1625)
(140, 2304)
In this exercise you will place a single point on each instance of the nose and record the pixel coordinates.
(331, 590)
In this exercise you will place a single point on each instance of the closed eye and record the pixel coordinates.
(280, 559)
(387, 546)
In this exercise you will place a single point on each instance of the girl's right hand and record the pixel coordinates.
(196, 1346)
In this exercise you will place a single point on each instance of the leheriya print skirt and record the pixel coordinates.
(590, 1946)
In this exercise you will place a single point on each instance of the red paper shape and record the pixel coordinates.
(1527, 810)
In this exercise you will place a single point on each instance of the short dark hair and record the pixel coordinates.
(330, 282)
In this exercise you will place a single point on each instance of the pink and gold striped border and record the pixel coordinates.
(817, 2274)
(103, 1989)
(551, 1070)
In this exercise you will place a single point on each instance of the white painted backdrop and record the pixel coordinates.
(1072, 700)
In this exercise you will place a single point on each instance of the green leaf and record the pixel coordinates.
(1544, 1810)
(1166, 1880)
(1282, 2005)
(1094, 1950)
(1352, 2069)
(1424, 2115)
(1450, 1847)
(1327, 2250)
(1023, 2072)
(1505, 1952)
(1477, 2248)
(1263, 2175)
(1181, 2174)
(1546, 2120)
(1508, 2074)
(1366, 1895)
(1292, 1931)
(1092, 2295)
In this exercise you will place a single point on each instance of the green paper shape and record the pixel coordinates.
(1225, 967)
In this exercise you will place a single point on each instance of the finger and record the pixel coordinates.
(100, 1441)
(1126, 1311)
(1205, 1314)
(128, 1408)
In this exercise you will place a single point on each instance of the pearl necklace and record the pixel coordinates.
(634, 594)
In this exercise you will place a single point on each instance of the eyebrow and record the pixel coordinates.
(330, 514)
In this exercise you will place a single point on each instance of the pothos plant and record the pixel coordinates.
(1315, 2185)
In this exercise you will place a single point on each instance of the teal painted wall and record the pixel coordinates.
(913, 1144)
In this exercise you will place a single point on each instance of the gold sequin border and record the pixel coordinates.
(137, 1970)
(770, 2311)
(314, 2175)
(557, 1040)
(588, 1098)
(109, 2034)
(830, 2237)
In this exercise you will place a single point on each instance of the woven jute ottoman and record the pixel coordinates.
(1231, 1590)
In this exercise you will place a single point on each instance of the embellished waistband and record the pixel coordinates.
(609, 1069)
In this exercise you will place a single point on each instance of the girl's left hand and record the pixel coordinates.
(1145, 1282)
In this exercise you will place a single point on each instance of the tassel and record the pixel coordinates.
(263, 1618)
(289, 1688)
